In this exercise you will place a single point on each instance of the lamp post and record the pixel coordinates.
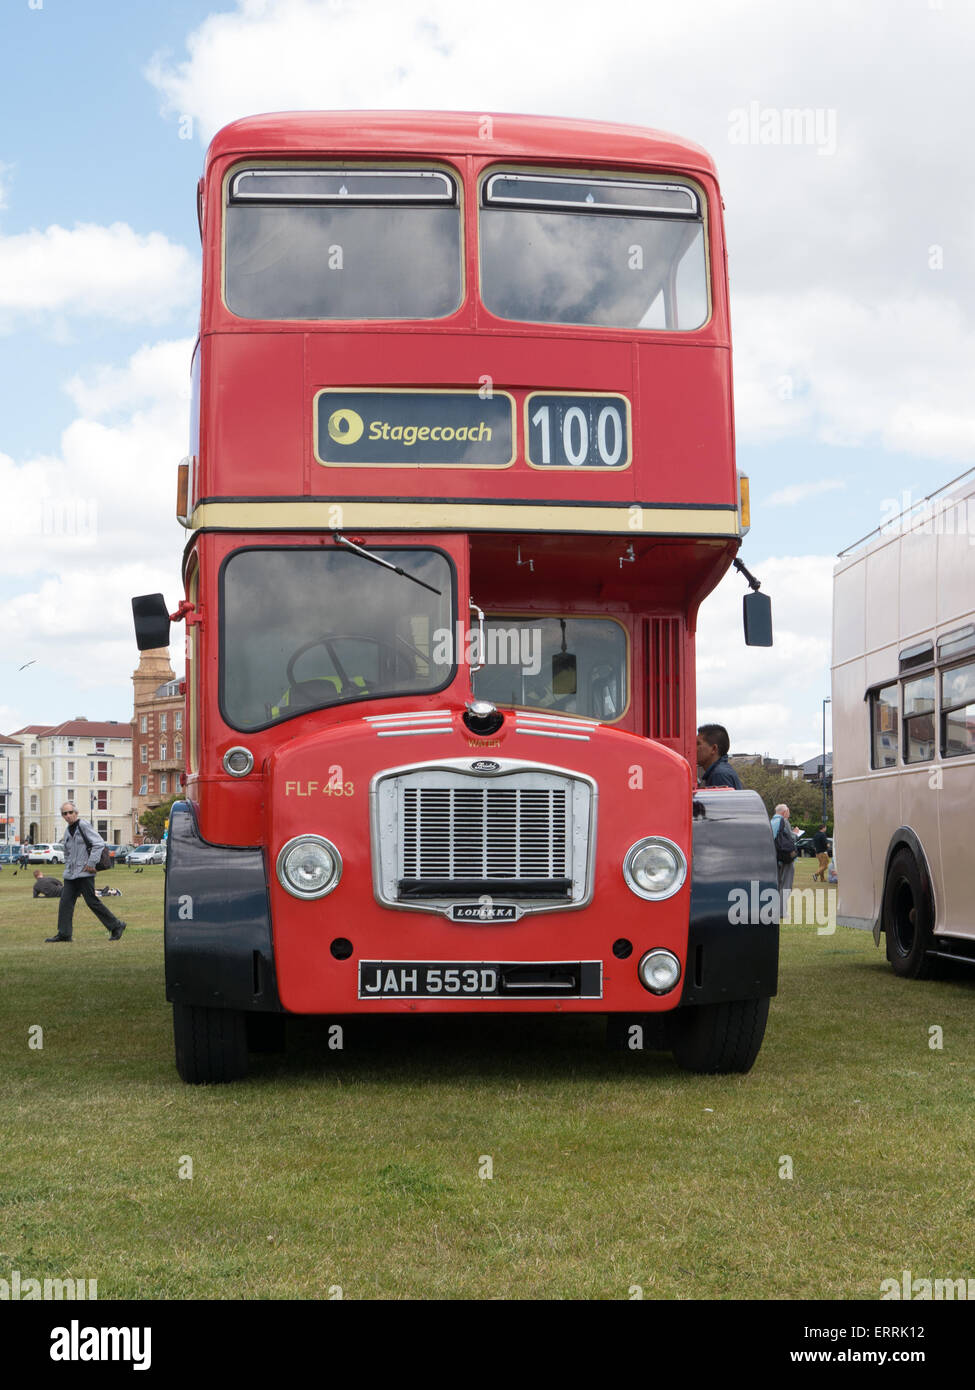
(826, 701)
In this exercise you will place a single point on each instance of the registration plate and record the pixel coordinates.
(411, 979)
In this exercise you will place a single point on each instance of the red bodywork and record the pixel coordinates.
(253, 448)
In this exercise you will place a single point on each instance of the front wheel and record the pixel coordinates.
(719, 1037)
(211, 1044)
(907, 919)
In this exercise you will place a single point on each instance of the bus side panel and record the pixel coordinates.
(251, 415)
(733, 936)
(218, 922)
(859, 861)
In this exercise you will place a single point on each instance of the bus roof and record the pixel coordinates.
(458, 133)
(914, 514)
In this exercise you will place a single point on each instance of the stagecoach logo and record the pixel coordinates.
(459, 428)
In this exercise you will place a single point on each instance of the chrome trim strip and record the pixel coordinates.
(493, 199)
(446, 196)
(420, 729)
(543, 733)
(410, 714)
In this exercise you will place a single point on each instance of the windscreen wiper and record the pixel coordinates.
(339, 539)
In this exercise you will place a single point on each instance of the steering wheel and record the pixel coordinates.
(327, 640)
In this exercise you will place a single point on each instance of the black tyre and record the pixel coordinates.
(719, 1037)
(265, 1032)
(211, 1044)
(907, 919)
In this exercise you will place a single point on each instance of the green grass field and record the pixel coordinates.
(359, 1168)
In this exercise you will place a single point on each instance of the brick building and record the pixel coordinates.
(158, 726)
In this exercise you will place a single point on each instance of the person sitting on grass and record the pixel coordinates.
(45, 887)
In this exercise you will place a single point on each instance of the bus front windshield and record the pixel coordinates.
(308, 628)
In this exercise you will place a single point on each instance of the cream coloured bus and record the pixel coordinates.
(904, 731)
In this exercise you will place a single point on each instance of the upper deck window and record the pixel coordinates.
(343, 244)
(616, 253)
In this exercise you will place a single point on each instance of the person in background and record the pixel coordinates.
(712, 758)
(785, 853)
(24, 857)
(82, 850)
(46, 887)
(821, 846)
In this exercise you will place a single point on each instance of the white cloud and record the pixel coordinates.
(155, 372)
(80, 524)
(844, 331)
(769, 698)
(900, 373)
(5, 170)
(112, 272)
(83, 653)
(799, 492)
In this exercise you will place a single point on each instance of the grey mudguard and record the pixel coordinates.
(733, 938)
(218, 922)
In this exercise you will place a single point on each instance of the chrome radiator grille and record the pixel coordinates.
(450, 832)
(485, 832)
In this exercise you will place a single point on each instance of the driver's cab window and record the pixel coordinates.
(305, 628)
(574, 666)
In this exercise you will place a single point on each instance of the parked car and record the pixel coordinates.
(120, 853)
(9, 854)
(804, 845)
(146, 854)
(45, 854)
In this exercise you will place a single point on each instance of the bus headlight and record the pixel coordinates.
(654, 868)
(659, 971)
(309, 866)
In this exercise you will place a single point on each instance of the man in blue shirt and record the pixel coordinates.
(712, 758)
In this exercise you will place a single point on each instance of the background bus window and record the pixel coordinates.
(349, 244)
(919, 720)
(883, 722)
(958, 712)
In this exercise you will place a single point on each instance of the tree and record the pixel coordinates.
(804, 799)
(153, 820)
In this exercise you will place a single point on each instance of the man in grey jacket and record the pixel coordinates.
(82, 850)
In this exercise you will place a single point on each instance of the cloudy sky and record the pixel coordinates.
(851, 239)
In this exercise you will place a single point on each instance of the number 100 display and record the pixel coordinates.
(578, 431)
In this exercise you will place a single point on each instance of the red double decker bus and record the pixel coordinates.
(462, 471)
